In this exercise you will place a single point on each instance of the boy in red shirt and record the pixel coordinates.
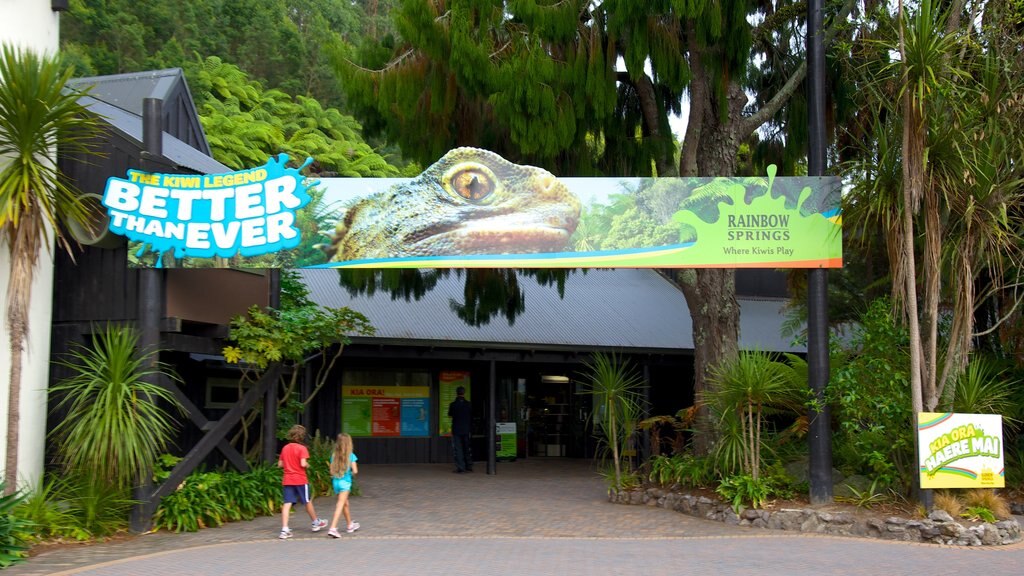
(294, 459)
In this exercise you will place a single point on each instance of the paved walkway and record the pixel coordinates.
(536, 516)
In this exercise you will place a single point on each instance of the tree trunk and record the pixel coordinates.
(23, 249)
(715, 314)
(711, 293)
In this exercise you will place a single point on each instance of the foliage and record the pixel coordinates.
(729, 450)
(988, 499)
(932, 183)
(615, 388)
(100, 507)
(621, 481)
(114, 425)
(986, 387)
(748, 387)
(298, 332)
(657, 426)
(948, 500)
(745, 490)
(978, 513)
(51, 512)
(869, 396)
(36, 114)
(319, 470)
(866, 498)
(14, 530)
(283, 44)
(76, 506)
(246, 124)
(682, 470)
(208, 499)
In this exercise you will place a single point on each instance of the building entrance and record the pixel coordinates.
(549, 410)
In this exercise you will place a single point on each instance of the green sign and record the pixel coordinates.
(505, 432)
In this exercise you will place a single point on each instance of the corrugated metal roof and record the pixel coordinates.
(130, 124)
(127, 91)
(614, 309)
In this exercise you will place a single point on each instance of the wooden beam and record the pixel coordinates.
(217, 433)
(194, 414)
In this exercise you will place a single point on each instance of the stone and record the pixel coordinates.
(952, 529)
(799, 470)
(751, 514)
(851, 486)
(940, 516)
(989, 535)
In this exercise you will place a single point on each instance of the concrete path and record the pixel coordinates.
(536, 516)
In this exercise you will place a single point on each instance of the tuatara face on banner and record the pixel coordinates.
(471, 201)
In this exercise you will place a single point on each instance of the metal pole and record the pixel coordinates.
(492, 402)
(150, 308)
(819, 434)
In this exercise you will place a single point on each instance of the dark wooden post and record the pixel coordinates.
(150, 308)
(270, 397)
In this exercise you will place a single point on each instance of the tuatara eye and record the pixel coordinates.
(473, 183)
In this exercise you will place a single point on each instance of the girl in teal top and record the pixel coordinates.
(343, 467)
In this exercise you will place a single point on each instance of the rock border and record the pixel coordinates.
(938, 528)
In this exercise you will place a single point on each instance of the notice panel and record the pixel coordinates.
(385, 411)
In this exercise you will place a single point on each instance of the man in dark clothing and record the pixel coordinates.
(461, 413)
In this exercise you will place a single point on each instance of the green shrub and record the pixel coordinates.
(213, 498)
(101, 507)
(319, 470)
(51, 513)
(870, 396)
(978, 513)
(115, 423)
(682, 470)
(14, 530)
(745, 490)
(782, 484)
(76, 507)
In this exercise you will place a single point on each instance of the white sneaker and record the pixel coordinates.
(285, 534)
(318, 524)
(352, 527)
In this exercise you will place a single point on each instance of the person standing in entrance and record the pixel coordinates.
(461, 414)
(295, 459)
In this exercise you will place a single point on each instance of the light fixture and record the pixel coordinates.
(554, 379)
(59, 5)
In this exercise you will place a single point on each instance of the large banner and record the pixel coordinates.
(474, 209)
(960, 450)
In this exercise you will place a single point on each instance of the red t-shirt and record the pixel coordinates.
(291, 460)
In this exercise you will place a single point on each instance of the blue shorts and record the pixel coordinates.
(296, 493)
(341, 485)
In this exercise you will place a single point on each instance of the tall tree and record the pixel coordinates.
(949, 188)
(36, 115)
(280, 44)
(540, 81)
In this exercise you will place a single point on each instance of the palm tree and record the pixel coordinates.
(115, 426)
(618, 403)
(748, 387)
(36, 114)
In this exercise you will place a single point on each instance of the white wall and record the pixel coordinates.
(30, 24)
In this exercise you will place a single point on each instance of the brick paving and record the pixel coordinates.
(536, 516)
